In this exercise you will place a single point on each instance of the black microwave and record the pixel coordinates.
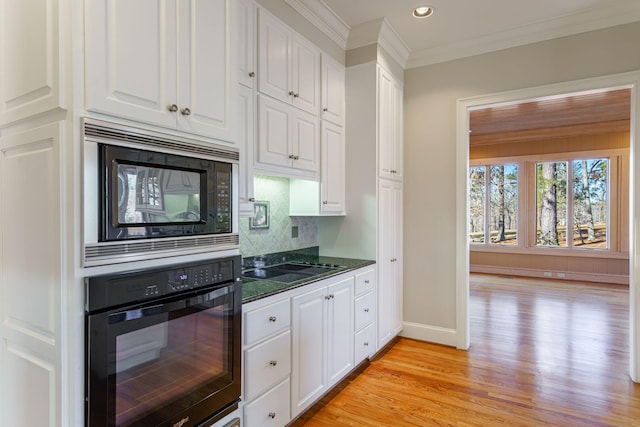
(147, 194)
(151, 195)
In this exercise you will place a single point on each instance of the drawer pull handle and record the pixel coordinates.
(273, 362)
(366, 310)
(366, 344)
(272, 415)
(272, 319)
(366, 281)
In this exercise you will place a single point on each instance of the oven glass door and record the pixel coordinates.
(150, 364)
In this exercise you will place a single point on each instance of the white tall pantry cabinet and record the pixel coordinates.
(373, 227)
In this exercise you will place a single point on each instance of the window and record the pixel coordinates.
(547, 203)
(583, 198)
(499, 204)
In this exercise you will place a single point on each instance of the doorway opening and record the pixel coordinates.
(504, 103)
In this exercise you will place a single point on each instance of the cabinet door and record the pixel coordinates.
(340, 333)
(308, 338)
(385, 123)
(397, 135)
(246, 145)
(274, 132)
(246, 17)
(32, 54)
(131, 59)
(305, 141)
(397, 278)
(333, 170)
(305, 75)
(332, 87)
(390, 261)
(274, 57)
(206, 70)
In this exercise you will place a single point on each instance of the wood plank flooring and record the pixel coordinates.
(542, 353)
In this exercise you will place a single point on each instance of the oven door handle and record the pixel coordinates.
(154, 310)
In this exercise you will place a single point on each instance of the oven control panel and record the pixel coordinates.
(122, 288)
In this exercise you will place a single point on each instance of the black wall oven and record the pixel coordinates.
(163, 345)
(150, 195)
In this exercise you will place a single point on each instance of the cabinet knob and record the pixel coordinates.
(272, 415)
(291, 93)
(325, 109)
(185, 111)
(366, 310)
(366, 281)
(325, 202)
(296, 157)
(296, 95)
(272, 318)
(273, 362)
(252, 74)
(366, 344)
(327, 297)
(291, 156)
(252, 199)
(172, 108)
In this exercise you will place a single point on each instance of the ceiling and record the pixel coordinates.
(460, 28)
(556, 117)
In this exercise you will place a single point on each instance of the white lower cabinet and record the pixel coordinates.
(270, 409)
(365, 315)
(322, 341)
(299, 344)
(267, 363)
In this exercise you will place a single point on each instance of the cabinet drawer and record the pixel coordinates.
(263, 322)
(266, 364)
(365, 310)
(270, 410)
(365, 343)
(365, 281)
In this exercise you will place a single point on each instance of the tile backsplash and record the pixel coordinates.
(276, 238)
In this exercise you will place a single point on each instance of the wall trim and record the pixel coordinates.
(616, 279)
(323, 18)
(428, 333)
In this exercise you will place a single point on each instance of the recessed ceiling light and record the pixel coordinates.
(423, 11)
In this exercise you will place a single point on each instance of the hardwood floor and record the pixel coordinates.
(542, 353)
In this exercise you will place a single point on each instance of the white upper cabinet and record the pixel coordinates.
(333, 81)
(287, 137)
(168, 63)
(246, 21)
(30, 54)
(333, 170)
(389, 125)
(288, 64)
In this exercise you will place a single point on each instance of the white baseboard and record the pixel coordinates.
(550, 274)
(429, 333)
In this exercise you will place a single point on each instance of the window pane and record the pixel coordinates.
(504, 204)
(477, 196)
(590, 204)
(551, 203)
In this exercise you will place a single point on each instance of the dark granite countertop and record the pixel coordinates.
(255, 289)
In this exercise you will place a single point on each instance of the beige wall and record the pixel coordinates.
(431, 95)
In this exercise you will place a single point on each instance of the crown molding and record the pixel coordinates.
(319, 14)
(391, 42)
(591, 20)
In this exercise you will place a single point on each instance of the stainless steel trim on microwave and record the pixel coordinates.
(104, 253)
(110, 133)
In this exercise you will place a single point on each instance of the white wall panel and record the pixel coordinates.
(30, 286)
